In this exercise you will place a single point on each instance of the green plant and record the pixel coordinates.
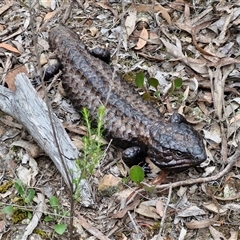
(59, 228)
(92, 147)
(139, 81)
(26, 199)
(27, 194)
(176, 84)
(25, 202)
(153, 82)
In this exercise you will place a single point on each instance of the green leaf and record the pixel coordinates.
(29, 215)
(139, 80)
(60, 228)
(157, 94)
(125, 180)
(7, 210)
(30, 196)
(136, 174)
(178, 83)
(153, 82)
(66, 213)
(48, 218)
(54, 202)
(19, 186)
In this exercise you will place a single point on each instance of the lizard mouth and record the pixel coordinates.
(176, 162)
(180, 166)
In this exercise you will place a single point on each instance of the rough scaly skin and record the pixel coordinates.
(129, 120)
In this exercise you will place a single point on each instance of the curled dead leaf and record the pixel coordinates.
(10, 77)
(5, 7)
(147, 211)
(9, 48)
(93, 31)
(130, 21)
(32, 149)
(107, 7)
(160, 208)
(194, 224)
(216, 234)
(156, 8)
(142, 41)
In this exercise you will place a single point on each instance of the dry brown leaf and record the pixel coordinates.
(214, 133)
(107, 7)
(146, 210)
(43, 59)
(81, 130)
(193, 30)
(9, 48)
(160, 208)
(24, 174)
(225, 61)
(18, 45)
(77, 141)
(1, 27)
(218, 85)
(201, 50)
(6, 7)
(32, 149)
(218, 78)
(233, 128)
(193, 26)
(8, 121)
(93, 30)
(234, 119)
(199, 65)
(215, 209)
(216, 234)
(89, 227)
(232, 106)
(234, 234)
(142, 41)
(48, 4)
(160, 178)
(191, 211)
(154, 38)
(155, 9)
(121, 213)
(194, 224)
(50, 15)
(130, 21)
(10, 77)
(109, 184)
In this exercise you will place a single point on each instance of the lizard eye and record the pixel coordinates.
(179, 154)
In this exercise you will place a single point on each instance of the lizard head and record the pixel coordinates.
(175, 145)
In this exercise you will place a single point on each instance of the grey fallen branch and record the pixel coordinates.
(31, 111)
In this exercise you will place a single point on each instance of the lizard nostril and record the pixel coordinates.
(201, 157)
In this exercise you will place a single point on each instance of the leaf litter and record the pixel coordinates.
(187, 40)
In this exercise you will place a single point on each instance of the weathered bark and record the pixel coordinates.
(31, 111)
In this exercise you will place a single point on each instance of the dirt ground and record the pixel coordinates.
(196, 42)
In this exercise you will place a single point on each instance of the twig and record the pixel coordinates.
(133, 222)
(164, 214)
